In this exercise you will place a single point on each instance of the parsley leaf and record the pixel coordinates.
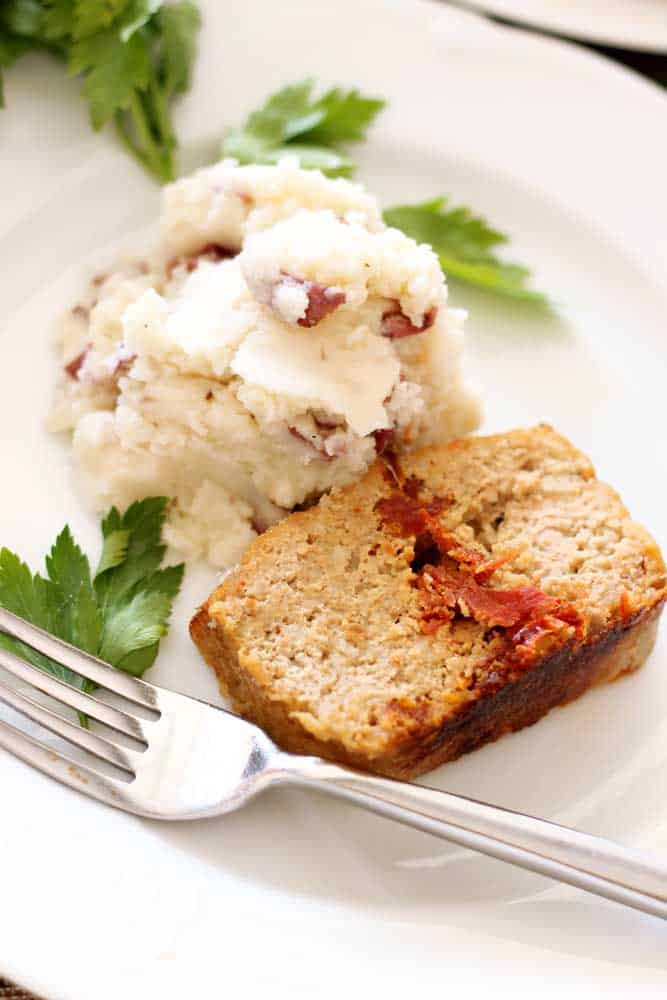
(137, 14)
(142, 525)
(32, 598)
(44, 602)
(135, 593)
(292, 121)
(117, 71)
(344, 117)
(22, 17)
(465, 245)
(78, 618)
(119, 615)
(57, 20)
(26, 595)
(94, 15)
(115, 543)
(178, 24)
(137, 624)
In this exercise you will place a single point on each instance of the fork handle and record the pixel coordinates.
(588, 862)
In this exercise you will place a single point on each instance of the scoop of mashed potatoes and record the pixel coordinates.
(279, 339)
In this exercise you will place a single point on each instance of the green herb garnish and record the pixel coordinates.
(293, 121)
(135, 57)
(465, 246)
(119, 614)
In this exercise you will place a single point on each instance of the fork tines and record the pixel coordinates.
(47, 758)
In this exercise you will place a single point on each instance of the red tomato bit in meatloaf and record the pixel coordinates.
(452, 578)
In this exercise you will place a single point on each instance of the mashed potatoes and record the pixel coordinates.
(281, 338)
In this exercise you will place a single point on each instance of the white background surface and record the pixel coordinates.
(296, 895)
(626, 24)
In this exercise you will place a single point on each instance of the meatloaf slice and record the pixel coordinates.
(434, 606)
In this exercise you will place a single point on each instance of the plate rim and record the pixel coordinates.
(605, 66)
(560, 29)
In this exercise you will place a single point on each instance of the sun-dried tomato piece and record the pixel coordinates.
(406, 515)
(452, 577)
(458, 590)
(384, 439)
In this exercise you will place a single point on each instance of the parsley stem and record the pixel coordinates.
(143, 131)
(143, 145)
(126, 139)
(133, 58)
(158, 116)
(162, 119)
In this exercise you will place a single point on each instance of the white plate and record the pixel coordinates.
(626, 24)
(296, 894)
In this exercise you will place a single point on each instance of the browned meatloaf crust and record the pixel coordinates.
(434, 606)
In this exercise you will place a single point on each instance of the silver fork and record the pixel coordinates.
(188, 760)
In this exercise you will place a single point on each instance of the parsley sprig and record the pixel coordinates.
(465, 245)
(134, 57)
(313, 129)
(119, 614)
